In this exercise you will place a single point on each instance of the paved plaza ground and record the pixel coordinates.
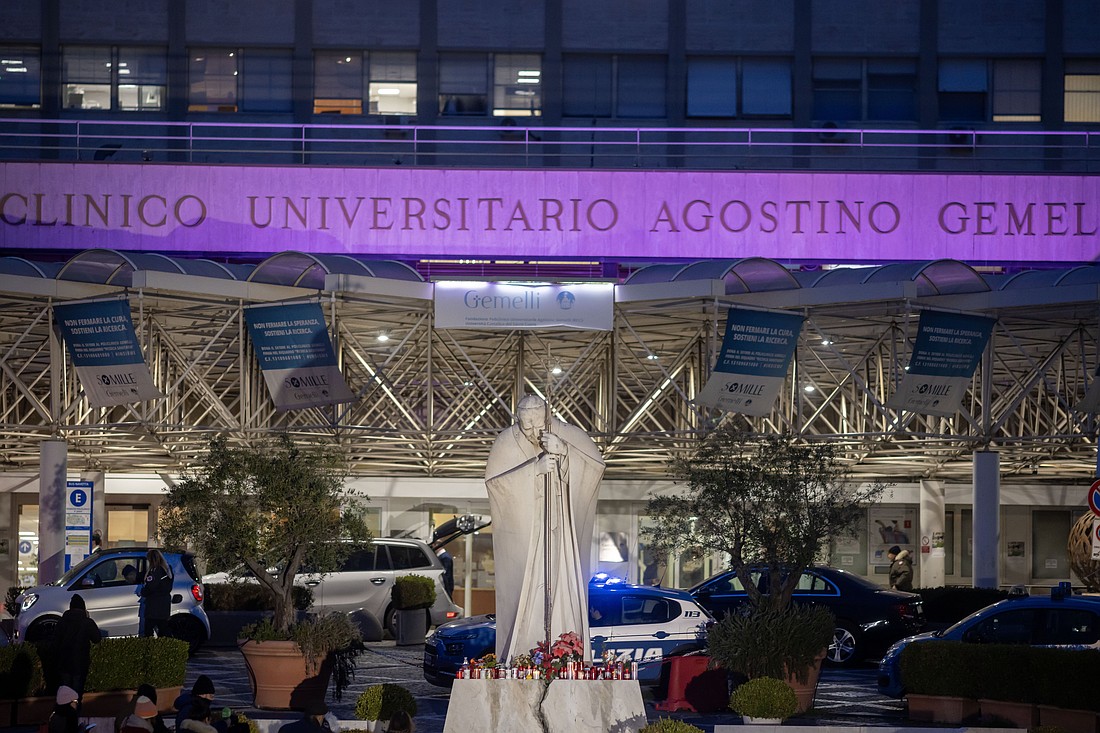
(844, 697)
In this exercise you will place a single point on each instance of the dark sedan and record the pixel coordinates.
(869, 618)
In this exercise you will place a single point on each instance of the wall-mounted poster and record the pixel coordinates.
(888, 526)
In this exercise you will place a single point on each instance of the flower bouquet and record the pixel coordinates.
(561, 656)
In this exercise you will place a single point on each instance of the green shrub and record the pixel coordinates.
(249, 597)
(772, 643)
(670, 725)
(125, 662)
(413, 591)
(940, 668)
(764, 697)
(950, 605)
(380, 702)
(21, 673)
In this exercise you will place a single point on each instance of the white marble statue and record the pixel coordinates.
(540, 451)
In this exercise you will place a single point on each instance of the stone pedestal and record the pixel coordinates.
(568, 706)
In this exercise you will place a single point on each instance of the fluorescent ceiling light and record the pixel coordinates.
(528, 73)
(388, 92)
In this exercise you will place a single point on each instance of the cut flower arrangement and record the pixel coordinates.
(563, 659)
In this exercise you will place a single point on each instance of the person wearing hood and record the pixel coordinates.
(65, 718)
(202, 689)
(199, 719)
(901, 569)
(72, 644)
(142, 720)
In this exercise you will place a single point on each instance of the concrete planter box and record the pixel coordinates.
(1019, 714)
(942, 708)
(1071, 721)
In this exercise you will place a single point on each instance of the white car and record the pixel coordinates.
(108, 581)
(363, 583)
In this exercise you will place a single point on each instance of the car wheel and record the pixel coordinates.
(842, 649)
(390, 621)
(42, 629)
(187, 628)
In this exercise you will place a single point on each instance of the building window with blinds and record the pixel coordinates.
(20, 77)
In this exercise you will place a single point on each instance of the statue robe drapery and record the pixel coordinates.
(516, 502)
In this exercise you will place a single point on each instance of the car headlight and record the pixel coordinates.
(29, 599)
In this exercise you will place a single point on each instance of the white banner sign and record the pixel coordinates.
(585, 306)
(1096, 538)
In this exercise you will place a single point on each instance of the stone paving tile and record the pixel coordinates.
(845, 698)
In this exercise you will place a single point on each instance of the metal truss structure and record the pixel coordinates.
(429, 402)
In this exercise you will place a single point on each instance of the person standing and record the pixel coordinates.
(448, 570)
(156, 595)
(901, 569)
(541, 460)
(72, 644)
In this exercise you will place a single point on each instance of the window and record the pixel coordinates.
(1016, 87)
(1010, 627)
(1069, 626)
(865, 89)
(389, 78)
(105, 77)
(641, 610)
(963, 88)
(714, 84)
(408, 558)
(463, 84)
(810, 584)
(266, 75)
(20, 77)
(619, 86)
(1082, 90)
(213, 80)
(517, 85)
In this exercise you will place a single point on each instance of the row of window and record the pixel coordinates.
(614, 86)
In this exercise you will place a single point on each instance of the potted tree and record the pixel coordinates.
(266, 509)
(412, 596)
(764, 700)
(769, 502)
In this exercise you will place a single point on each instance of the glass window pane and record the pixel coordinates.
(392, 88)
(1049, 530)
(837, 90)
(463, 84)
(213, 80)
(86, 77)
(20, 77)
(640, 86)
(892, 89)
(963, 75)
(712, 87)
(517, 85)
(586, 81)
(766, 87)
(143, 66)
(266, 85)
(1016, 88)
(1082, 90)
(338, 82)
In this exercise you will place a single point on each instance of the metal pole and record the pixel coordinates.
(547, 525)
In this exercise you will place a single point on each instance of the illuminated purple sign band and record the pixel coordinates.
(831, 217)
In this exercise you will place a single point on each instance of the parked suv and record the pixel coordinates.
(361, 586)
(109, 582)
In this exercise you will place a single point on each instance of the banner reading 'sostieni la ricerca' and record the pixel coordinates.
(756, 353)
(295, 354)
(99, 335)
(944, 358)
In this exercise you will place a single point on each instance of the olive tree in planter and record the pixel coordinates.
(266, 509)
(766, 501)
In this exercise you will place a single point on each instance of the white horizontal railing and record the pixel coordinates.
(567, 146)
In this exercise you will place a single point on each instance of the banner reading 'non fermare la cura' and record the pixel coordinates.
(99, 335)
(756, 353)
(295, 354)
(944, 359)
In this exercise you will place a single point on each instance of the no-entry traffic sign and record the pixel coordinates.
(1094, 497)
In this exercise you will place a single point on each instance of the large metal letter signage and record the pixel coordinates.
(756, 352)
(944, 358)
(100, 338)
(296, 356)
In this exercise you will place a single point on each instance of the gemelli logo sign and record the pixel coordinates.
(587, 306)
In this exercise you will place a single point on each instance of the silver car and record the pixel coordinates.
(362, 585)
(109, 583)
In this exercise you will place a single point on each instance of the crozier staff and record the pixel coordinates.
(522, 457)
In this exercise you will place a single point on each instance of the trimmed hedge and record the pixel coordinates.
(21, 673)
(249, 597)
(413, 591)
(123, 663)
(1010, 672)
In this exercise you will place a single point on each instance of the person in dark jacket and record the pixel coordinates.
(156, 595)
(72, 644)
(65, 718)
(901, 569)
(312, 720)
(203, 689)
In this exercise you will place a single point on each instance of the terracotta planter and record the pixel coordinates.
(805, 691)
(1071, 721)
(33, 710)
(280, 677)
(1019, 714)
(942, 708)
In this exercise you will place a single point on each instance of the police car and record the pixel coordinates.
(638, 623)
